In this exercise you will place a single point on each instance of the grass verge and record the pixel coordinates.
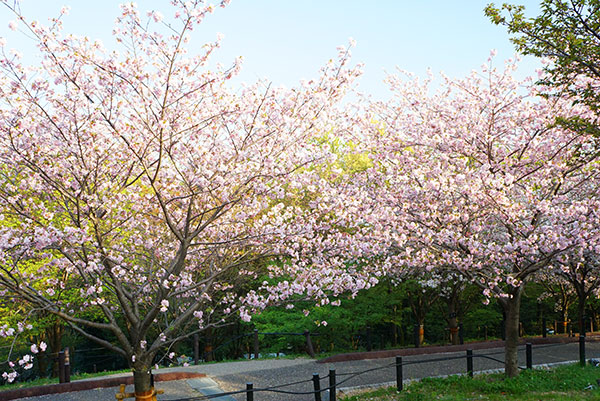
(46, 380)
(568, 382)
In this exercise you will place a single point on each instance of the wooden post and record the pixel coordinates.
(528, 356)
(61, 366)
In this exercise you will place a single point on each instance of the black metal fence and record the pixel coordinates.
(333, 382)
(208, 355)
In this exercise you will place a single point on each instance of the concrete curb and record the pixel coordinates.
(355, 356)
(89, 384)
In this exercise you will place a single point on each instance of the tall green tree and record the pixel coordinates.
(567, 32)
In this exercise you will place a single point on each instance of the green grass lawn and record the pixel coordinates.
(561, 383)
(47, 380)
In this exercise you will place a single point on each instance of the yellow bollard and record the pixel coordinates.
(149, 395)
(121, 395)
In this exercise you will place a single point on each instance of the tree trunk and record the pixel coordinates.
(564, 314)
(581, 314)
(208, 347)
(142, 372)
(394, 327)
(512, 308)
(42, 360)
(55, 333)
(141, 384)
(452, 320)
(563, 322)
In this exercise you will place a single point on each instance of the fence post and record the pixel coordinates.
(67, 366)
(255, 343)
(196, 349)
(309, 347)
(544, 327)
(528, 356)
(249, 392)
(461, 334)
(317, 386)
(470, 362)
(61, 366)
(369, 342)
(332, 388)
(399, 375)
(582, 350)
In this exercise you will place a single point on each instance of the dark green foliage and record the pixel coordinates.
(346, 326)
(479, 318)
(567, 31)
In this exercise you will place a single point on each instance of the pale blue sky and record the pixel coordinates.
(287, 40)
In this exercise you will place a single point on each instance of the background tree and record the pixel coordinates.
(567, 33)
(581, 272)
(459, 297)
(562, 292)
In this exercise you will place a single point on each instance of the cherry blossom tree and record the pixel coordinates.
(458, 298)
(481, 179)
(138, 178)
(581, 271)
(561, 291)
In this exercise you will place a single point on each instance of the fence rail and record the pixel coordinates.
(398, 364)
(208, 354)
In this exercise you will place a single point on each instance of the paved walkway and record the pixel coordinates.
(233, 376)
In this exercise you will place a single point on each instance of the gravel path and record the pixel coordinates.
(233, 376)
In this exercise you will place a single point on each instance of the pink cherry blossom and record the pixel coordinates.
(138, 178)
